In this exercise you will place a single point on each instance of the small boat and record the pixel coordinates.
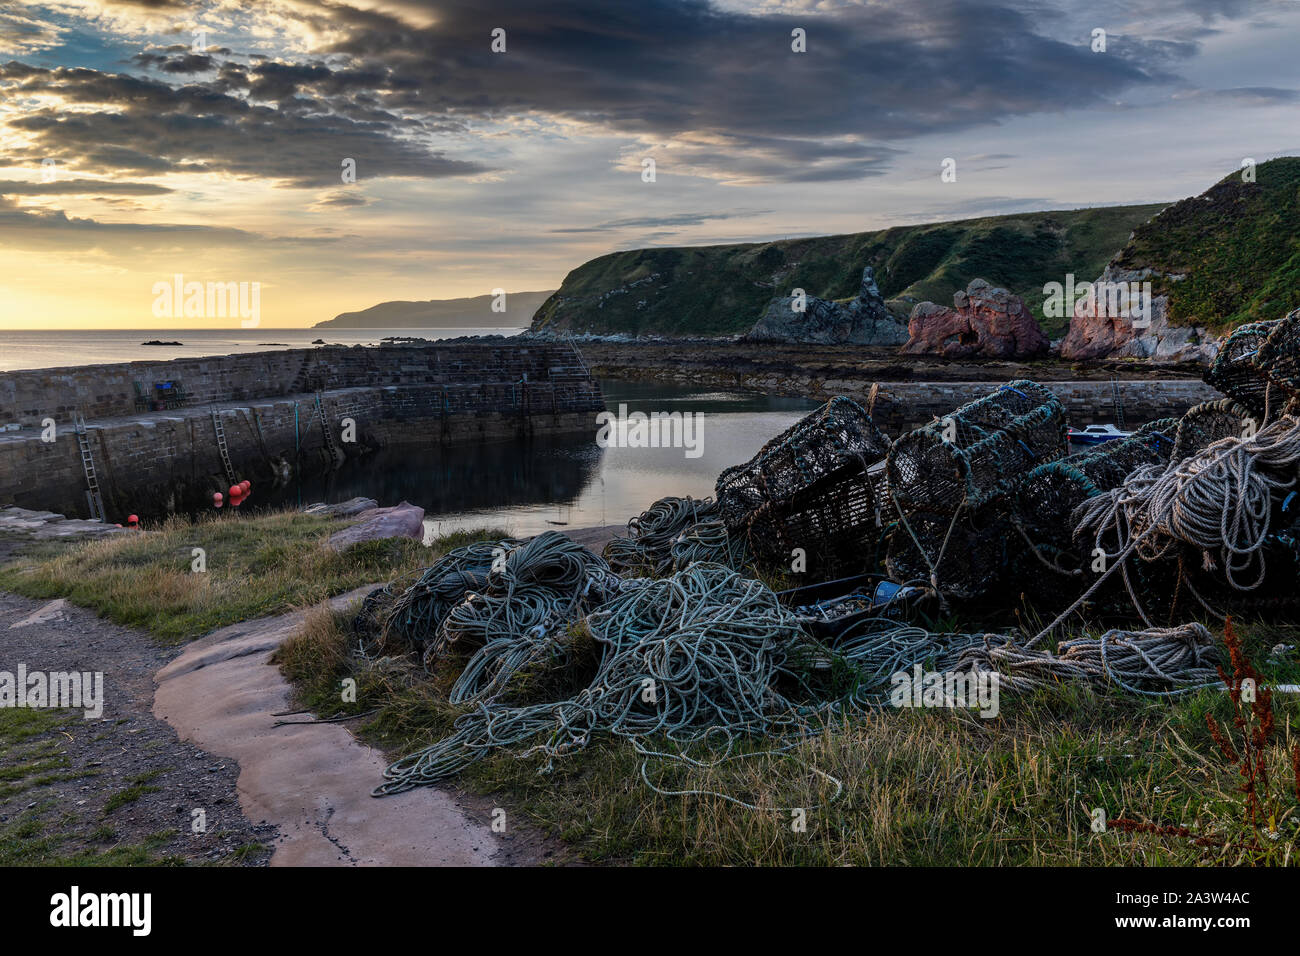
(1096, 434)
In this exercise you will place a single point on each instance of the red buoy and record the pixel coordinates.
(245, 485)
(216, 499)
(133, 520)
(235, 491)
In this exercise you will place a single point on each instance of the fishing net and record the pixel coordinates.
(647, 550)
(977, 453)
(960, 555)
(1204, 424)
(1237, 374)
(811, 489)
(1051, 491)
(697, 650)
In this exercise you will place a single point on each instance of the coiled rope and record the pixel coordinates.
(682, 657)
(648, 547)
(1218, 500)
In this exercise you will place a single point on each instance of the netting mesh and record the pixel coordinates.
(979, 452)
(1278, 357)
(963, 556)
(809, 488)
(1206, 423)
(1237, 374)
(1051, 491)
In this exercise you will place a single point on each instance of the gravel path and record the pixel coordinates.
(125, 778)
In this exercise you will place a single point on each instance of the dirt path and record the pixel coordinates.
(77, 788)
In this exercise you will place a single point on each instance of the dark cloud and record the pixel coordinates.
(705, 91)
(149, 127)
(661, 222)
(81, 187)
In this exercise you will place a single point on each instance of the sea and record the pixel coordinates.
(36, 348)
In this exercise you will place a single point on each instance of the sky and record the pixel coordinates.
(145, 139)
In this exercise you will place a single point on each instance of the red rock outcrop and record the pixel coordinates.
(985, 322)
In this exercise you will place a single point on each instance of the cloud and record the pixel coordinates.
(135, 125)
(81, 187)
(660, 222)
(709, 91)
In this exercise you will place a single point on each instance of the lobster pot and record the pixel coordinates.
(1278, 357)
(1237, 374)
(1051, 491)
(836, 522)
(969, 566)
(979, 452)
(837, 438)
(1204, 424)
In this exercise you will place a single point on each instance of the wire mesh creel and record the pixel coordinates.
(810, 488)
(979, 452)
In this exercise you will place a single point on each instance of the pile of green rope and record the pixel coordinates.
(527, 598)
(711, 542)
(699, 649)
(648, 547)
(419, 610)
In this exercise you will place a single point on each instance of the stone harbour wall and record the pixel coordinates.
(104, 391)
(162, 461)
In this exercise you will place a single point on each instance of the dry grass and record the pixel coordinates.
(259, 565)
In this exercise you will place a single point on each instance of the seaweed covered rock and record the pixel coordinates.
(863, 320)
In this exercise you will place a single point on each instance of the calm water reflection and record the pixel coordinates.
(554, 482)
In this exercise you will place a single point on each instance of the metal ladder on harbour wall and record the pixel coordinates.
(1119, 404)
(94, 498)
(219, 429)
(335, 454)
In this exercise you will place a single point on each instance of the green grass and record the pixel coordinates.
(1238, 245)
(718, 290)
(138, 787)
(920, 787)
(258, 566)
(31, 741)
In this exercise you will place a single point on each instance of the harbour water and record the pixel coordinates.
(526, 486)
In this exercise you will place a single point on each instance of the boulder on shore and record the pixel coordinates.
(400, 521)
(984, 322)
(864, 320)
(1099, 331)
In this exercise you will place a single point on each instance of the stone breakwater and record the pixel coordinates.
(275, 409)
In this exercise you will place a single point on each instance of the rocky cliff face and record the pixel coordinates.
(984, 322)
(864, 320)
(1097, 331)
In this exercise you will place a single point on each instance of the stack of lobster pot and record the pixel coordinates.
(808, 504)
(952, 482)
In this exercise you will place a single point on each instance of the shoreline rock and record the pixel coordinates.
(864, 320)
(984, 321)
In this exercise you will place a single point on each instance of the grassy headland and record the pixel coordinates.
(1235, 249)
(721, 290)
